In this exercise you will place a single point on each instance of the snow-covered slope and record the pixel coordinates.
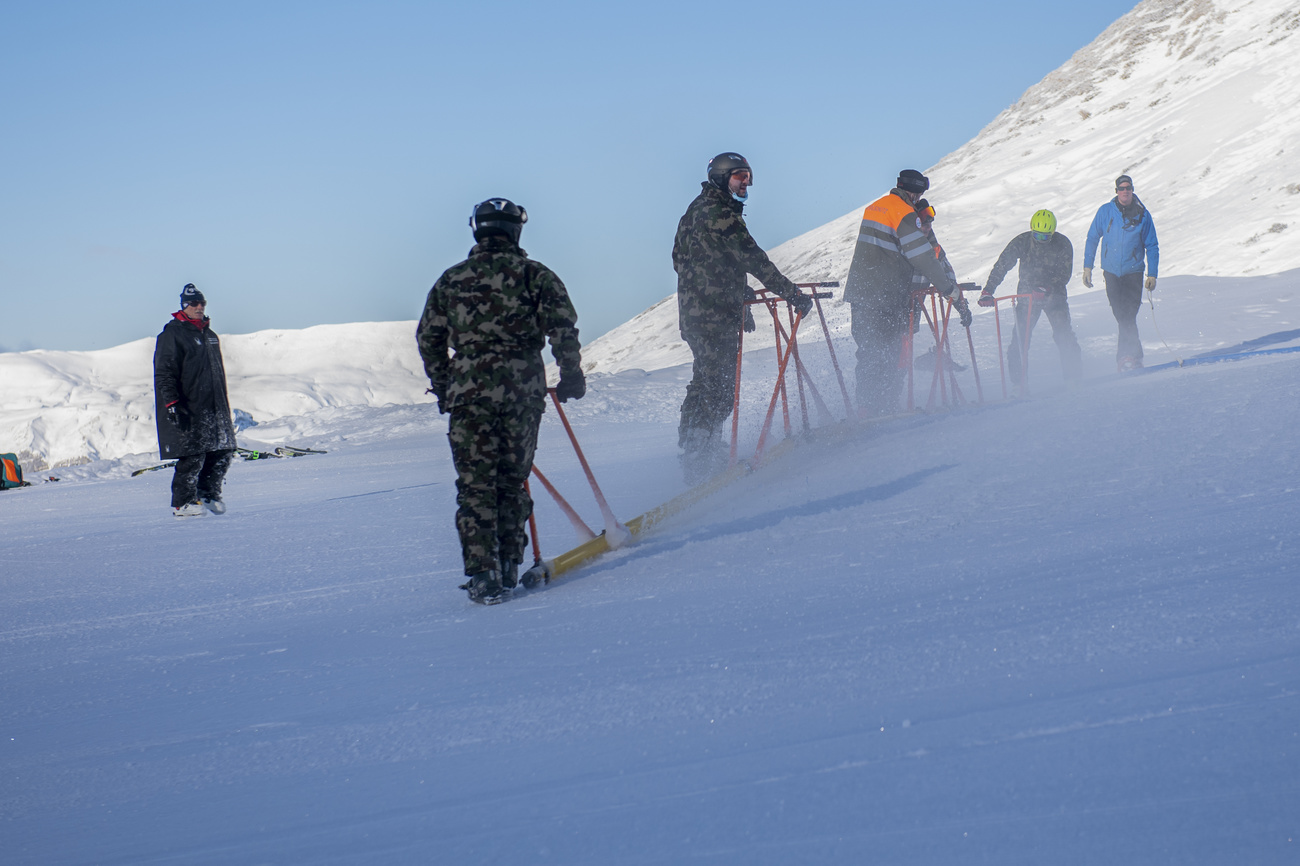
(1061, 630)
(1199, 100)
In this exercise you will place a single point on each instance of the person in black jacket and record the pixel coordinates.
(1046, 259)
(192, 407)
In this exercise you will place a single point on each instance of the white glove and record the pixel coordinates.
(1150, 284)
(1087, 277)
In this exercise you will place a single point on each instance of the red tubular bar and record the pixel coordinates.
(532, 528)
(613, 528)
(579, 525)
(1024, 352)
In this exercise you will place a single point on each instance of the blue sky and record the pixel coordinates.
(310, 163)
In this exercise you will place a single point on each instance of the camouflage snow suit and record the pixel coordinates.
(1044, 267)
(481, 337)
(712, 253)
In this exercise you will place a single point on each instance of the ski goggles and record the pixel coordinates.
(1043, 237)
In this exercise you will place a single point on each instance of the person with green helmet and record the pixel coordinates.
(1046, 259)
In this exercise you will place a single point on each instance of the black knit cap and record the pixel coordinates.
(191, 295)
(911, 180)
(1123, 178)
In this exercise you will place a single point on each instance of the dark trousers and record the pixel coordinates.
(492, 447)
(879, 375)
(1057, 308)
(711, 392)
(199, 476)
(1125, 296)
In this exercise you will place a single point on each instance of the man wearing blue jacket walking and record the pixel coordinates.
(1124, 227)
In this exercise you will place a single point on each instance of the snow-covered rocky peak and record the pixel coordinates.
(1198, 100)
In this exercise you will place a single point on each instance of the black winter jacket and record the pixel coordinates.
(1042, 265)
(187, 371)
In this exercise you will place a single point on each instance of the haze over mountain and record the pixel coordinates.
(1198, 100)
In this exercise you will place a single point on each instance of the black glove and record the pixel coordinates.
(986, 298)
(963, 310)
(572, 385)
(180, 417)
(437, 395)
(802, 303)
(750, 324)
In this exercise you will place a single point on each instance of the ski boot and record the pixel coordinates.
(485, 588)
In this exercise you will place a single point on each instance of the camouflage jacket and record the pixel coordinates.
(895, 254)
(486, 321)
(712, 253)
(1042, 266)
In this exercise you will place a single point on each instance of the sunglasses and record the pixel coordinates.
(1123, 189)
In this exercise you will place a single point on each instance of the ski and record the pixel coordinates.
(250, 454)
(168, 465)
(290, 451)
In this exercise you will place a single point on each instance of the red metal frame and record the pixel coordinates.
(1024, 348)
(787, 347)
(937, 317)
(615, 532)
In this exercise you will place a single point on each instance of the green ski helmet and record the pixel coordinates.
(1043, 225)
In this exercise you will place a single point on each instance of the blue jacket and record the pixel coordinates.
(1123, 240)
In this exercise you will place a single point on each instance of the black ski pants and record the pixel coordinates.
(1125, 296)
(199, 476)
(1057, 309)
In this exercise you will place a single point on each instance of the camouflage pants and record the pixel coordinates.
(492, 447)
(712, 389)
(879, 376)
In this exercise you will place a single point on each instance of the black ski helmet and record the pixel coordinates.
(497, 216)
(722, 166)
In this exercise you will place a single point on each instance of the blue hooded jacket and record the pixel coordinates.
(1123, 239)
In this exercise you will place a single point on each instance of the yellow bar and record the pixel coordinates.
(643, 523)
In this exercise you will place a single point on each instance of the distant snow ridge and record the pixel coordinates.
(60, 408)
(1199, 101)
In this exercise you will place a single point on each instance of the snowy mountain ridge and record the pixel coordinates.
(1198, 100)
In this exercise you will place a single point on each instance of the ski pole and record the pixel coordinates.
(616, 534)
(1151, 298)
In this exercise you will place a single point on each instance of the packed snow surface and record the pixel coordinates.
(1062, 629)
(1057, 629)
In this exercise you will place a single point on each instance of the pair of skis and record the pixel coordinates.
(278, 452)
(247, 454)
